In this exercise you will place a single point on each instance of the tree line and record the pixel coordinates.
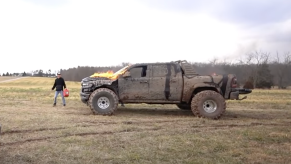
(16, 74)
(36, 73)
(254, 70)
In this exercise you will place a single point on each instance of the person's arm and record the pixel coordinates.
(54, 85)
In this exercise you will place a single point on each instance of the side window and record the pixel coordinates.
(160, 70)
(137, 72)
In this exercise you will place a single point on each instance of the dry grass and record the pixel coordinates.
(256, 130)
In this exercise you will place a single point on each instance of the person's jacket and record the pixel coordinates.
(59, 84)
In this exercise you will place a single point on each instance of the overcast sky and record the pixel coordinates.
(55, 34)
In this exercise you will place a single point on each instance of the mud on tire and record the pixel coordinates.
(103, 101)
(184, 106)
(209, 104)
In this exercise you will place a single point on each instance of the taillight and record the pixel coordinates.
(234, 82)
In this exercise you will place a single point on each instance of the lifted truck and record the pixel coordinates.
(162, 83)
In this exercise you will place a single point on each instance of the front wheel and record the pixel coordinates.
(208, 104)
(103, 101)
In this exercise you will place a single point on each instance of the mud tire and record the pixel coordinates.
(184, 106)
(99, 95)
(208, 104)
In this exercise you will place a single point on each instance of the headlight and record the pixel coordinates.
(85, 84)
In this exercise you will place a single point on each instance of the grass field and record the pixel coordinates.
(255, 130)
(6, 78)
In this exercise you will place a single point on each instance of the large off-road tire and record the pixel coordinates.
(184, 106)
(103, 101)
(209, 104)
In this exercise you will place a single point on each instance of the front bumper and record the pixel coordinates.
(235, 92)
(84, 97)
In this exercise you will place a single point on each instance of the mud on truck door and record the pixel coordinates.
(135, 86)
(166, 82)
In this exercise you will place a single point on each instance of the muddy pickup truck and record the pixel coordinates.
(161, 83)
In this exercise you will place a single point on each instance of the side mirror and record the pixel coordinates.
(126, 74)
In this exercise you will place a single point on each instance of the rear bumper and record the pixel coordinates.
(235, 92)
(244, 91)
(84, 97)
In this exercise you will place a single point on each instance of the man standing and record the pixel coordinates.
(59, 85)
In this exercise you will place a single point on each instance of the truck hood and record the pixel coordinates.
(97, 81)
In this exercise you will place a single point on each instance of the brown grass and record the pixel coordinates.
(256, 130)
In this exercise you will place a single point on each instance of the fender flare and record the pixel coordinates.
(187, 97)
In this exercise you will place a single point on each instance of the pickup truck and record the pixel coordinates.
(161, 83)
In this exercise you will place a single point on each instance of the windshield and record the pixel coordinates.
(121, 71)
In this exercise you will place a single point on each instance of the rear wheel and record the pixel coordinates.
(103, 101)
(184, 106)
(209, 104)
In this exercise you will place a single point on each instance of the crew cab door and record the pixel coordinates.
(166, 82)
(134, 88)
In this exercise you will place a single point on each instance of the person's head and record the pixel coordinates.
(59, 75)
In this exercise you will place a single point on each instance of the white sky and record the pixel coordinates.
(66, 34)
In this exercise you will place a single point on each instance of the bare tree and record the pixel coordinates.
(250, 65)
(213, 62)
(257, 59)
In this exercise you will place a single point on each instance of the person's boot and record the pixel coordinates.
(54, 104)
(64, 104)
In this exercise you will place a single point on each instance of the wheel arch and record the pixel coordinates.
(200, 89)
(111, 87)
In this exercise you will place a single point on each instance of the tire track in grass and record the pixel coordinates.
(209, 127)
(142, 123)
(77, 134)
